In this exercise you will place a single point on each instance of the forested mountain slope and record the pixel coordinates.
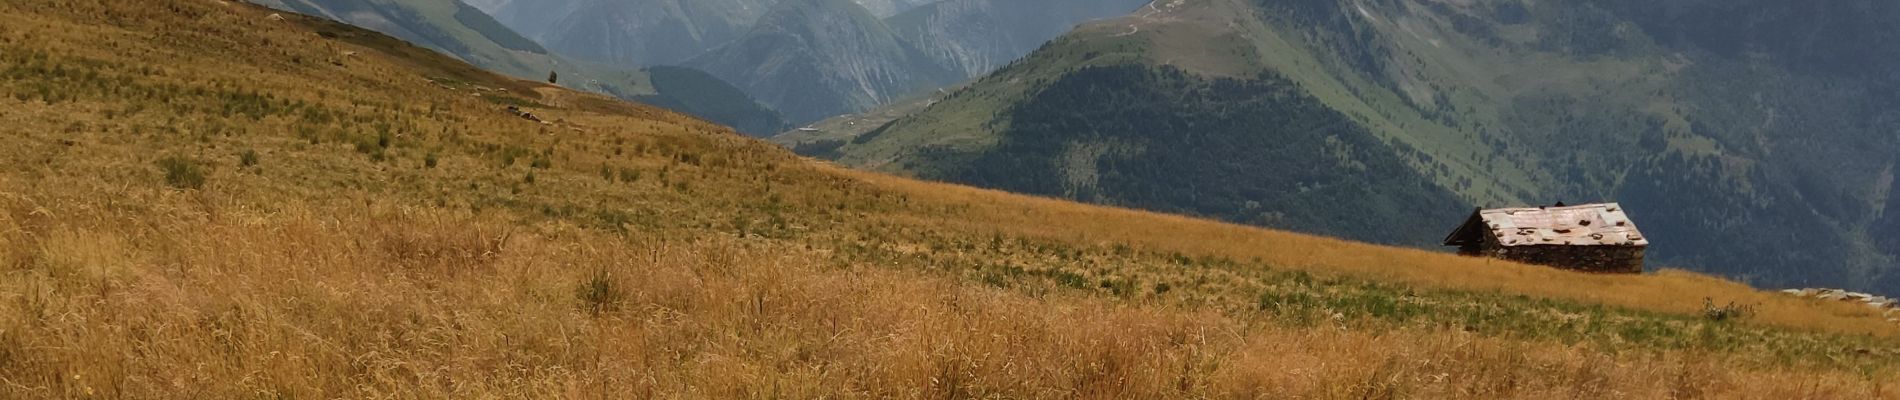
(1752, 139)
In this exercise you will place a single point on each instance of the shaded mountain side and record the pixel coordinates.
(489, 6)
(1752, 139)
(448, 26)
(702, 95)
(812, 59)
(1254, 150)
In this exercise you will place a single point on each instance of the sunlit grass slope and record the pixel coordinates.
(201, 202)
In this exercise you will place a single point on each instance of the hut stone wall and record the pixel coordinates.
(1605, 259)
(1601, 259)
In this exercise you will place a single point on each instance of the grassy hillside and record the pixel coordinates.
(1756, 156)
(203, 202)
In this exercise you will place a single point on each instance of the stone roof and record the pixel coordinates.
(1584, 225)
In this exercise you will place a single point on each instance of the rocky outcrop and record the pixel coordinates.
(1889, 307)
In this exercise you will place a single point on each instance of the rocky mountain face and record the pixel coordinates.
(812, 59)
(887, 8)
(638, 33)
(973, 37)
(858, 62)
(808, 59)
(1753, 139)
(633, 33)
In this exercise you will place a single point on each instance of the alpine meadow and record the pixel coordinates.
(216, 199)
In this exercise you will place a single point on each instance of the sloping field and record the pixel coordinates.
(201, 201)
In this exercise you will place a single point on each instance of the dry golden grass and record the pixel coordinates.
(399, 237)
(1670, 291)
(215, 301)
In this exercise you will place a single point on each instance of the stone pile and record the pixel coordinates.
(517, 111)
(1889, 307)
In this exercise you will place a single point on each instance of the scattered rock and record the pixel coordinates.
(1889, 307)
(525, 115)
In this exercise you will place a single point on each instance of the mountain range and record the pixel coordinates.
(632, 33)
(1754, 138)
(808, 59)
(812, 59)
(466, 32)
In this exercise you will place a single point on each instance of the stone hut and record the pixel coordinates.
(1591, 238)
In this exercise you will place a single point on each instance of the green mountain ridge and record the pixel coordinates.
(1747, 138)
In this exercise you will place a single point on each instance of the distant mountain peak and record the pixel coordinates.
(812, 59)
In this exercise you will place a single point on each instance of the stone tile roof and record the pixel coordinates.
(1584, 225)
